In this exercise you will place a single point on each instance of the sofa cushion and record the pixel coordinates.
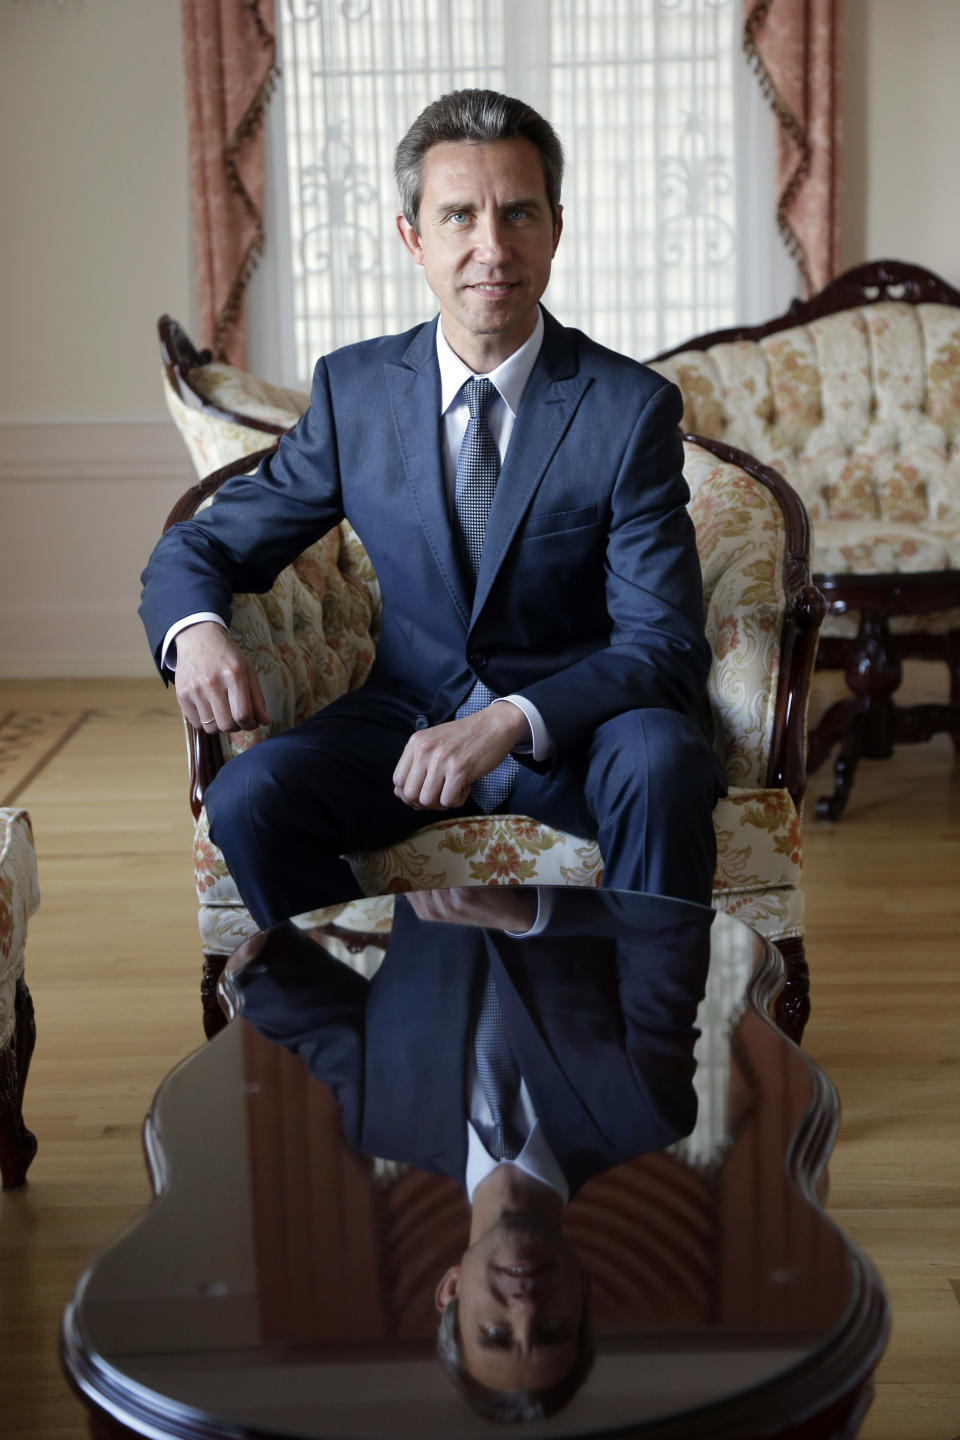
(872, 547)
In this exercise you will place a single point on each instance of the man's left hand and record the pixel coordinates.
(439, 765)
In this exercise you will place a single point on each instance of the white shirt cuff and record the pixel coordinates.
(168, 661)
(540, 746)
(544, 914)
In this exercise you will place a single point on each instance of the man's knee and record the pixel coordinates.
(660, 754)
(256, 794)
(654, 791)
(228, 796)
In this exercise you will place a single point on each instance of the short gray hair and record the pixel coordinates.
(510, 1407)
(478, 117)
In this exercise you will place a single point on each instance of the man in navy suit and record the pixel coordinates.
(568, 656)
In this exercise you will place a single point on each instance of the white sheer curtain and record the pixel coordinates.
(669, 189)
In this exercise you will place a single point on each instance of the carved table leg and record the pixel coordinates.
(792, 1009)
(831, 807)
(873, 672)
(213, 1017)
(832, 728)
(953, 661)
(17, 1145)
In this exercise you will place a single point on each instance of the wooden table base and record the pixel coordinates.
(869, 724)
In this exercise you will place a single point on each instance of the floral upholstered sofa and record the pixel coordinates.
(19, 898)
(854, 396)
(312, 637)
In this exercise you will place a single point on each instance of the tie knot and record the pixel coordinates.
(479, 394)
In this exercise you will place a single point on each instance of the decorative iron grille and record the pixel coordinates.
(642, 94)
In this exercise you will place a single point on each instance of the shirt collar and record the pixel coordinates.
(510, 378)
(535, 1159)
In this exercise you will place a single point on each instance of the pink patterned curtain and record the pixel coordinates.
(794, 46)
(230, 58)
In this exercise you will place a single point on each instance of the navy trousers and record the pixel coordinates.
(285, 812)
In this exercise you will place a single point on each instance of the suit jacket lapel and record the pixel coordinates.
(413, 387)
(549, 403)
(562, 1110)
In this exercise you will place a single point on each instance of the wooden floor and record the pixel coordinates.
(113, 962)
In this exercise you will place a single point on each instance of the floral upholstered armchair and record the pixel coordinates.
(312, 637)
(19, 898)
(854, 396)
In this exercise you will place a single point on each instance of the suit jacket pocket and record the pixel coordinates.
(557, 521)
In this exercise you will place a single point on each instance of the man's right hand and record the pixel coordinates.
(217, 687)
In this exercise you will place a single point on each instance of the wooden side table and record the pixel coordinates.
(869, 723)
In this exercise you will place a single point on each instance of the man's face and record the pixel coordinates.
(521, 1295)
(486, 239)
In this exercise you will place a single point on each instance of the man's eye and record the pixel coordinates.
(458, 217)
(496, 1335)
(517, 213)
(550, 1335)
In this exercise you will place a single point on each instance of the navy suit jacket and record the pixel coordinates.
(588, 599)
(602, 1026)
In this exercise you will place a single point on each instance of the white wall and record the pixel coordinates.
(901, 129)
(94, 245)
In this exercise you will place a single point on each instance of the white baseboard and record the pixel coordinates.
(77, 667)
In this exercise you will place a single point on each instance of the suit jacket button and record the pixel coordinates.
(477, 660)
(421, 723)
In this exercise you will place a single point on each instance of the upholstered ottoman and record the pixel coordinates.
(19, 898)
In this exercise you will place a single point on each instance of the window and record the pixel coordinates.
(668, 194)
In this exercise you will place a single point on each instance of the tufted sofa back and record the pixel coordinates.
(312, 636)
(859, 409)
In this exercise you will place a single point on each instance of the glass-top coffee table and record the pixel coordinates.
(337, 1248)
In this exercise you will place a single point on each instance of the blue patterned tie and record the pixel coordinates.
(498, 1073)
(478, 469)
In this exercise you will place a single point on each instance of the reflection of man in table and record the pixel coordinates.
(520, 1042)
(519, 491)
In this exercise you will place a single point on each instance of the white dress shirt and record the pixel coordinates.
(535, 1158)
(510, 381)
